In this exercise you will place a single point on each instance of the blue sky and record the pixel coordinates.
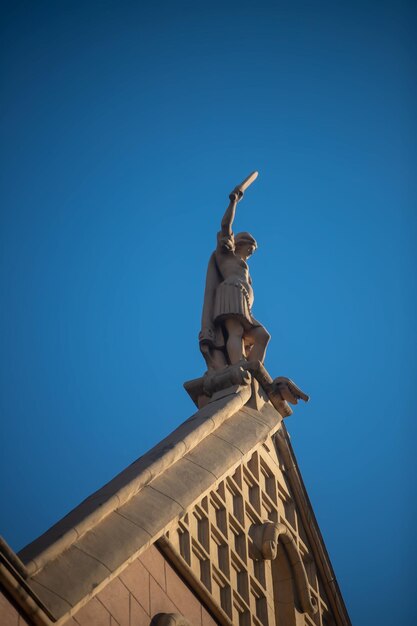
(124, 127)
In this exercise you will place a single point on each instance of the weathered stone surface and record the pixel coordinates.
(113, 541)
(241, 429)
(115, 597)
(214, 454)
(151, 510)
(93, 613)
(136, 579)
(56, 604)
(154, 562)
(147, 586)
(183, 598)
(138, 617)
(160, 603)
(72, 575)
(184, 482)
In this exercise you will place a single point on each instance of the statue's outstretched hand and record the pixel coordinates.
(236, 195)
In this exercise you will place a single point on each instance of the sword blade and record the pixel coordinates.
(248, 181)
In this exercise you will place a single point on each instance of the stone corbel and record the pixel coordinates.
(265, 538)
(170, 619)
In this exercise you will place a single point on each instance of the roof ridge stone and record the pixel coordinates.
(131, 480)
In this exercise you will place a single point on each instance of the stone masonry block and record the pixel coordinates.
(182, 596)
(136, 579)
(151, 510)
(184, 482)
(215, 455)
(93, 614)
(138, 617)
(115, 597)
(243, 431)
(160, 603)
(154, 562)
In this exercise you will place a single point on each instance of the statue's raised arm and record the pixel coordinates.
(234, 197)
(229, 216)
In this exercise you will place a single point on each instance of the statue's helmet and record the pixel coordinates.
(245, 238)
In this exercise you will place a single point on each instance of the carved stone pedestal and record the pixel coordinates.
(215, 383)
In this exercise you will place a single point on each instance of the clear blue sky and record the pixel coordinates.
(123, 128)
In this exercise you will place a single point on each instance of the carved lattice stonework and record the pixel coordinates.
(214, 540)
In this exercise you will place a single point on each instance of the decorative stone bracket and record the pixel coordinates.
(265, 538)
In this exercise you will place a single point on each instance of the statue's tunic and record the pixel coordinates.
(234, 295)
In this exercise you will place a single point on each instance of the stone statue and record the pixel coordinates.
(232, 341)
(229, 332)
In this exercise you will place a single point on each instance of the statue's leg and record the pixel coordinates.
(215, 359)
(260, 337)
(218, 360)
(234, 344)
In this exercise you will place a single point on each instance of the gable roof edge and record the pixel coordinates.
(282, 440)
(150, 465)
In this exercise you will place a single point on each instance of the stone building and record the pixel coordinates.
(212, 526)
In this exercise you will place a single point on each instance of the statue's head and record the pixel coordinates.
(245, 244)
